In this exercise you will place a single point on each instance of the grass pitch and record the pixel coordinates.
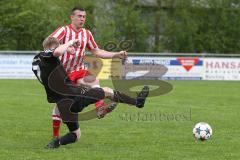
(161, 130)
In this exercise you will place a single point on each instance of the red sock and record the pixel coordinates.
(56, 127)
(99, 103)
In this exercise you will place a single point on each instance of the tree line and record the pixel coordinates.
(209, 26)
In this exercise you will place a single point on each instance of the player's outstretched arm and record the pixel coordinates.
(67, 47)
(100, 53)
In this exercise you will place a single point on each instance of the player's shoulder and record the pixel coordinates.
(48, 53)
(44, 54)
(88, 31)
(61, 28)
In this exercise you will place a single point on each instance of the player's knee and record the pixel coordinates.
(78, 134)
(90, 79)
(96, 81)
(108, 91)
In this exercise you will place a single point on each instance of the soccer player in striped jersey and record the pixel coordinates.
(74, 63)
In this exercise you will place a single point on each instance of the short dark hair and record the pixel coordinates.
(77, 8)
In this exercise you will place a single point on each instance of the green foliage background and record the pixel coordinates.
(161, 26)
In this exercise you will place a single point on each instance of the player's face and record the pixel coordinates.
(78, 18)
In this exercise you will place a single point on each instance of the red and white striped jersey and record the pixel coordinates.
(66, 33)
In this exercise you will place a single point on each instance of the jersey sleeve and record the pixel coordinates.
(59, 33)
(91, 44)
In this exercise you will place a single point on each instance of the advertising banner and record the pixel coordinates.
(137, 67)
(16, 66)
(165, 68)
(222, 69)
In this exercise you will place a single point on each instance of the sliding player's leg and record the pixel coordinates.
(72, 136)
(81, 77)
(119, 97)
(116, 96)
(71, 119)
(90, 80)
(93, 82)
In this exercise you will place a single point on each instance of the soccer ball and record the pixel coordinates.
(202, 131)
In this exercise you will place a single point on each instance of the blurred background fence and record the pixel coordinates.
(188, 66)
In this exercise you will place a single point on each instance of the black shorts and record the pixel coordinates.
(79, 103)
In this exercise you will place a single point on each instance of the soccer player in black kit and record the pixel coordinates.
(70, 98)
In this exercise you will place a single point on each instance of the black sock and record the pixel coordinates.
(123, 98)
(68, 138)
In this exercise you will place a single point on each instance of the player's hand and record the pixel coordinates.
(121, 55)
(75, 43)
(71, 50)
(72, 45)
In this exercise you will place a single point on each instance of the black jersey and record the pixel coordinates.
(43, 65)
(52, 75)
